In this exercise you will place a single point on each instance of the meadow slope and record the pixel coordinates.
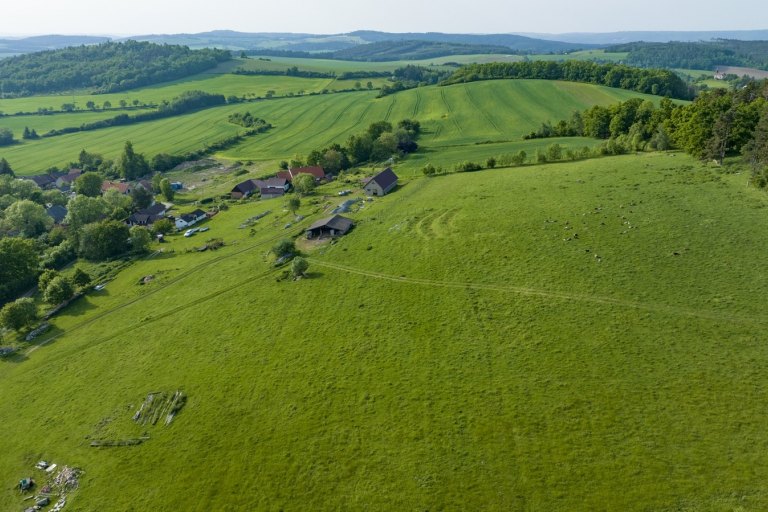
(456, 116)
(576, 336)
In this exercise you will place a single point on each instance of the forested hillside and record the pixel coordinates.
(649, 81)
(414, 50)
(106, 67)
(701, 55)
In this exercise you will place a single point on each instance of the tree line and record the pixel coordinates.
(188, 101)
(105, 67)
(661, 82)
(718, 124)
(696, 55)
(380, 141)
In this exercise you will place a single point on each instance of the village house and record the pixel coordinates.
(316, 171)
(65, 182)
(57, 212)
(330, 227)
(272, 187)
(381, 184)
(148, 216)
(190, 219)
(123, 188)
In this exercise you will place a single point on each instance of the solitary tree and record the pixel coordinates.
(293, 204)
(284, 248)
(5, 167)
(167, 189)
(299, 267)
(18, 314)
(140, 239)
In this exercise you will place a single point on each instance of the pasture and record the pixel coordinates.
(453, 116)
(576, 336)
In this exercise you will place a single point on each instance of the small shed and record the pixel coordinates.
(272, 192)
(382, 183)
(330, 227)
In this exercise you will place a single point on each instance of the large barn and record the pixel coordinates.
(330, 227)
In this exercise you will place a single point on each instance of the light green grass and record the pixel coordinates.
(454, 352)
(464, 114)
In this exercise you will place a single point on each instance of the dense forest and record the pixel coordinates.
(415, 50)
(660, 82)
(718, 124)
(106, 67)
(701, 55)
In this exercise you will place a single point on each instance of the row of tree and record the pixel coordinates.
(696, 55)
(378, 143)
(105, 67)
(662, 82)
(718, 124)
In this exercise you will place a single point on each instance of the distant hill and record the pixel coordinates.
(511, 41)
(251, 42)
(42, 43)
(611, 38)
(413, 50)
(105, 67)
(699, 55)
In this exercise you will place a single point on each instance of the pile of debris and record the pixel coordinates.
(67, 479)
(158, 405)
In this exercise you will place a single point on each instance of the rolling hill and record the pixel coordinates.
(460, 348)
(461, 115)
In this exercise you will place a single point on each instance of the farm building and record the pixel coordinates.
(65, 182)
(330, 227)
(249, 187)
(148, 216)
(243, 190)
(272, 192)
(189, 219)
(381, 184)
(316, 171)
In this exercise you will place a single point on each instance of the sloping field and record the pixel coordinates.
(462, 114)
(585, 336)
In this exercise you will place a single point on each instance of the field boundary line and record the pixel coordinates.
(537, 292)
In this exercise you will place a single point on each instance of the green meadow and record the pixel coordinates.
(451, 117)
(574, 336)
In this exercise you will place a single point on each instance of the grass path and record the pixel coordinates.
(549, 294)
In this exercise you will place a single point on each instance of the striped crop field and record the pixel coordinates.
(458, 115)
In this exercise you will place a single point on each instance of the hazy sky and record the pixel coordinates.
(136, 17)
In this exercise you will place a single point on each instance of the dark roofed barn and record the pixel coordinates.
(243, 189)
(330, 227)
(381, 184)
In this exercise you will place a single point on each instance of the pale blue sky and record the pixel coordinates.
(135, 17)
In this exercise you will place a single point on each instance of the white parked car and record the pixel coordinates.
(188, 233)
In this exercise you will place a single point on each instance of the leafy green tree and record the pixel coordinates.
(163, 227)
(304, 184)
(6, 137)
(554, 152)
(490, 163)
(284, 248)
(103, 240)
(107, 104)
(68, 107)
(293, 204)
(376, 129)
(84, 210)
(140, 240)
(89, 184)
(58, 290)
(90, 105)
(81, 278)
(55, 197)
(18, 266)
(132, 165)
(89, 161)
(123, 103)
(141, 198)
(299, 267)
(119, 205)
(45, 279)
(384, 146)
(18, 314)
(166, 189)
(27, 218)
(5, 168)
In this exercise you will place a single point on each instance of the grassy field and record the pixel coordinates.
(577, 336)
(451, 116)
